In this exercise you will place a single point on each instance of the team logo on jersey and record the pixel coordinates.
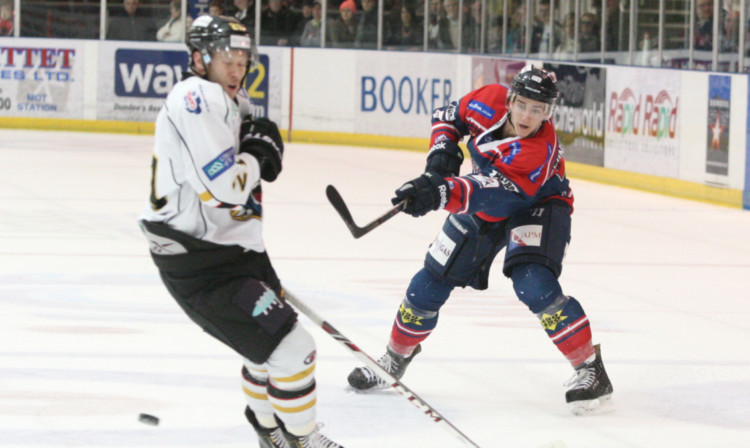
(253, 208)
(484, 181)
(266, 302)
(482, 108)
(193, 102)
(447, 113)
(223, 162)
(503, 181)
(550, 321)
(515, 149)
(528, 235)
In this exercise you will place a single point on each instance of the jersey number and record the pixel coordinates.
(156, 202)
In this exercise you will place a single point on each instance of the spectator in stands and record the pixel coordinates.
(216, 8)
(589, 37)
(731, 30)
(616, 24)
(452, 19)
(472, 26)
(174, 29)
(132, 25)
(307, 12)
(246, 14)
(549, 36)
(367, 29)
(311, 34)
(6, 17)
(343, 31)
(438, 33)
(409, 34)
(516, 38)
(704, 25)
(495, 35)
(277, 24)
(568, 45)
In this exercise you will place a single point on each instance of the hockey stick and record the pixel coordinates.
(428, 410)
(338, 203)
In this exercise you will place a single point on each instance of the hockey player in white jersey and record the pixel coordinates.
(203, 223)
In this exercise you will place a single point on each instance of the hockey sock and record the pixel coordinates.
(254, 385)
(291, 382)
(411, 326)
(296, 408)
(568, 327)
(562, 317)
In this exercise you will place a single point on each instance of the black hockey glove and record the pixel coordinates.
(260, 138)
(424, 194)
(445, 158)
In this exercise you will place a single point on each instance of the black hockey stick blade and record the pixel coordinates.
(338, 203)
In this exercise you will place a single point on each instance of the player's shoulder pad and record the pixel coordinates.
(487, 102)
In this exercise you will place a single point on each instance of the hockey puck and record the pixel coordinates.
(148, 419)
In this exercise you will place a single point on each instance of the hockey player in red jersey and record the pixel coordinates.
(517, 197)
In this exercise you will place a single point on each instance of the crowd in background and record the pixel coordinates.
(471, 26)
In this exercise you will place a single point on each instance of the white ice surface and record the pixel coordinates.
(89, 337)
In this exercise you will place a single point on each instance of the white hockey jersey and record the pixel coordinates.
(201, 185)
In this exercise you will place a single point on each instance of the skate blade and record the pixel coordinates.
(596, 406)
(379, 390)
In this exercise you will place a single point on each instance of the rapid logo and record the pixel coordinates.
(220, 164)
(652, 116)
(147, 73)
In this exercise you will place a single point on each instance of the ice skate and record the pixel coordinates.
(313, 440)
(590, 389)
(364, 378)
(267, 437)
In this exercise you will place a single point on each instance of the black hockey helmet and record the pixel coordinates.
(535, 83)
(210, 34)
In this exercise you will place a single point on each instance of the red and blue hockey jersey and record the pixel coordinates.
(508, 174)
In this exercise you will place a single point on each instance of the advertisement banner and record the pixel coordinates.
(135, 78)
(264, 83)
(494, 71)
(746, 190)
(398, 92)
(41, 78)
(643, 121)
(717, 141)
(580, 112)
(197, 7)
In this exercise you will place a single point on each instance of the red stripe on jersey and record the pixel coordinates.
(460, 195)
